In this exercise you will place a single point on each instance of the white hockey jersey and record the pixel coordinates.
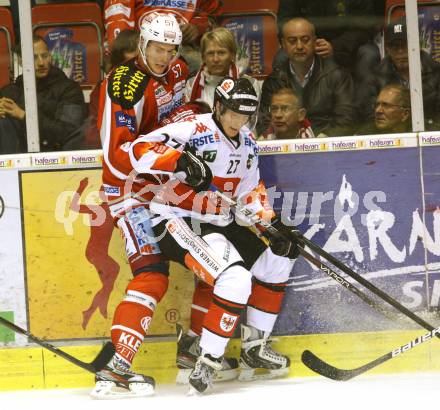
(234, 166)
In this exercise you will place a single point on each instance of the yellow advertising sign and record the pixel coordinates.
(76, 272)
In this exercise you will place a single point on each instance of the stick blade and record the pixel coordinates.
(316, 364)
(104, 356)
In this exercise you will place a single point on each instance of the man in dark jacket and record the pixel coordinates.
(326, 88)
(394, 68)
(61, 108)
(345, 29)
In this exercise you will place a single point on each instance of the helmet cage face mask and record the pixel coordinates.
(162, 28)
(238, 96)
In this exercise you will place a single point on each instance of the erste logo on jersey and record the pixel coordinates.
(124, 120)
(200, 141)
(174, 4)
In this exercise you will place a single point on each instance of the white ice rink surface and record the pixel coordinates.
(398, 392)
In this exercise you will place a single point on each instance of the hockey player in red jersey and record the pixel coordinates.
(134, 98)
(187, 158)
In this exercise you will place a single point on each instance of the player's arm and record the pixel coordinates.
(166, 152)
(256, 199)
(118, 127)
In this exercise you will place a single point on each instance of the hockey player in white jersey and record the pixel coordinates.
(187, 159)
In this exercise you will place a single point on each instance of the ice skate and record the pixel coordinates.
(258, 361)
(188, 351)
(117, 381)
(202, 376)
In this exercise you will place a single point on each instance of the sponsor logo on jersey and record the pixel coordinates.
(160, 91)
(204, 140)
(227, 322)
(160, 149)
(210, 156)
(111, 190)
(126, 85)
(175, 4)
(248, 142)
(130, 341)
(124, 120)
(201, 128)
(249, 161)
(145, 323)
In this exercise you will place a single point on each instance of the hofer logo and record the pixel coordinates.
(6, 163)
(124, 120)
(347, 145)
(384, 143)
(50, 161)
(431, 140)
(310, 147)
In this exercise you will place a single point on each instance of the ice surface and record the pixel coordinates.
(397, 392)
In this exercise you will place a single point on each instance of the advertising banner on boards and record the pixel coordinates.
(76, 271)
(366, 208)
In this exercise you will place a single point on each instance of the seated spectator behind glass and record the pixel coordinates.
(218, 49)
(123, 48)
(327, 89)
(394, 68)
(392, 112)
(288, 117)
(61, 108)
(345, 30)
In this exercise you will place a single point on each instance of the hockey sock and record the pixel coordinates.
(264, 304)
(133, 315)
(201, 300)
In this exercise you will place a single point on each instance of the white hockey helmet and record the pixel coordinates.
(160, 27)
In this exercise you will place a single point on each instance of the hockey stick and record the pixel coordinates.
(321, 266)
(316, 364)
(96, 365)
(309, 358)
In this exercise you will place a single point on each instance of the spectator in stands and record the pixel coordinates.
(392, 112)
(219, 50)
(345, 30)
(195, 17)
(326, 88)
(394, 68)
(288, 116)
(61, 107)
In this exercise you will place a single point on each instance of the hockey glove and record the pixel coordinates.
(196, 172)
(283, 244)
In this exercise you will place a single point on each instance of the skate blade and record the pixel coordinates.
(107, 390)
(220, 376)
(248, 375)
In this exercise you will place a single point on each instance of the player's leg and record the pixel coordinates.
(133, 315)
(213, 258)
(188, 345)
(270, 273)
